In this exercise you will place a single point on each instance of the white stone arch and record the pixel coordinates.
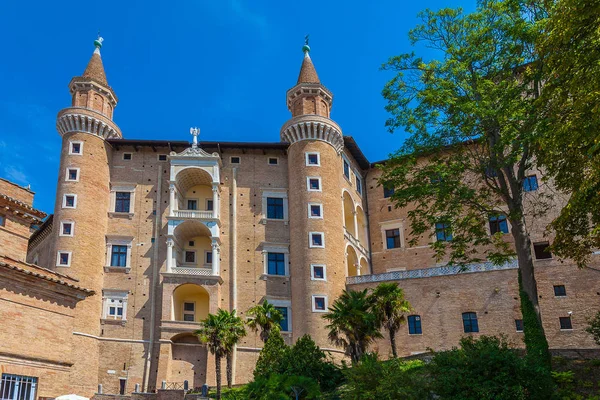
(348, 212)
(365, 267)
(361, 226)
(352, 260)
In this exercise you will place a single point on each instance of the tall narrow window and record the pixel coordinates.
(470, 323)
(274, 208)
(122, 202)
(276, 263)
(358, 185)
(189, 312)
(414, 325)
(208, 257)
(2, 220)
(392, 238)
(519, 325)
(530, 183)
(209, 205)
(565, 323)
(498, 224)
(346, 169)
(443, 232)
(118, 257)
(284, 324)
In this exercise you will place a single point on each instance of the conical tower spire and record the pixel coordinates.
(308, 73)
(95, 68)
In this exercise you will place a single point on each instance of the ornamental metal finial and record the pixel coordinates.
(98, 41)
(195, 132)
(306, 47)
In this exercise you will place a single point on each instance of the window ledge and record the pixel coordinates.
(415, 334)
(110, 321)
(567, 330)
(125, 270)
(120, 214)
(265, 277)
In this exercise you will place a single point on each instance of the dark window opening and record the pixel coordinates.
(388, 192)
(498, 223)
(276, 264)
(530, 183)
(274, 208)
(122, 202)
(565, 323)
(443, 231)
(392, 238)
(414, 325)
(470, 324)
(118, 257)
(541, 251)
(519, 325)
(560, 290)
(284, 324)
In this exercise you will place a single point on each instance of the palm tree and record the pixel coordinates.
(235, 331)
(352, 325)
(214, 333)
(388, 305)
(265, 318)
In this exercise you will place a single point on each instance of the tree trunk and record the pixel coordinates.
(536, 343)
(218, 373)
(393, 342)
(229, 368)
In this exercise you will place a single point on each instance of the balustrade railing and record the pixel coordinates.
(430, 272)
(193, 214)
(192, 271)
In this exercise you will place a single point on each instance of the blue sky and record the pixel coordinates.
(221, 65)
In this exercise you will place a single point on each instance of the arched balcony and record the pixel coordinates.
(194, 194)
(361, 222)
(364, 266)
(192, 249)
(352, 263)
(348, 214)
(190, 303)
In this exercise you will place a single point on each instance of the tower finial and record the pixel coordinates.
(195, 132)
(98, 42)
(306, 47)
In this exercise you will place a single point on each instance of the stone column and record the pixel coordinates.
(215, 190)
(216, 262)
(355, 214)
(171, 199)
(170, 245)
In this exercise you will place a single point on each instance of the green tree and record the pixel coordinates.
(271, 356)
(593, 327)
(389, 306)
(570, 144)
(213, 333)
(471, 122)
(352, 325)
(265, 318)
(235, 332)
(283, 387)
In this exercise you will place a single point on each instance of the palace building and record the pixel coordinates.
(149, 236)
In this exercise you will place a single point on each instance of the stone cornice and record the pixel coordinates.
(309, 89)
(82, 83)
(84, 120)
(313, 127)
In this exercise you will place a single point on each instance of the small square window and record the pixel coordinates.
(63, 259)
(75, 148)
(565, 323)
(388, 192)
(392, 238)
(72, 174)
(530, 183)
(314, 184)
(127, 156)
(319, 304)
(188, 317)
(273, 161)
(541, 251)
(443, 232)
(66, 229)
(318, 272)
(235, 160)
(560, 291)
(190, 256)
(498, 224)
(519, 325)
(69, 201)
(192, 204)
(162, 157)
(315, 211)
(414, 325)
(313, 159)
(191, 243)
(316, 239)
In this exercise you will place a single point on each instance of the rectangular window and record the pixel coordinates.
(75, 148)
(319, 303)
(190, 256)
(276, 264)
(392, 238)
(66, 228)
(273, 161)
(530, 183)
(318, 272)
(209, 205)
(162, 157)
(284, 324)
(560, 291)
(192, 204)
(565, 323)
(115, 309)
(315, 210)
(498, 223)
(414, 325)
(388, 192)
(519, 325)
(122, 202)
(541, 251)
(189, 312)
(470, 323)
(316, 239)
(118, 257)
(234, 160)
(358, 185)
(127, 156)
(443, 232)
(69, 201)
(313, 159)
(2, 220)
(314, 184)
(73, 174)
(274, 208)
(346, 169)
(63, 259)
(17, 387)
(208, 257)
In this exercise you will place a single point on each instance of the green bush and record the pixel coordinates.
(388, 380)
(283, 387)
(486, 369)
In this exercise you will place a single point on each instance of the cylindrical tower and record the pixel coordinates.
(81, 208)
(317, 240)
